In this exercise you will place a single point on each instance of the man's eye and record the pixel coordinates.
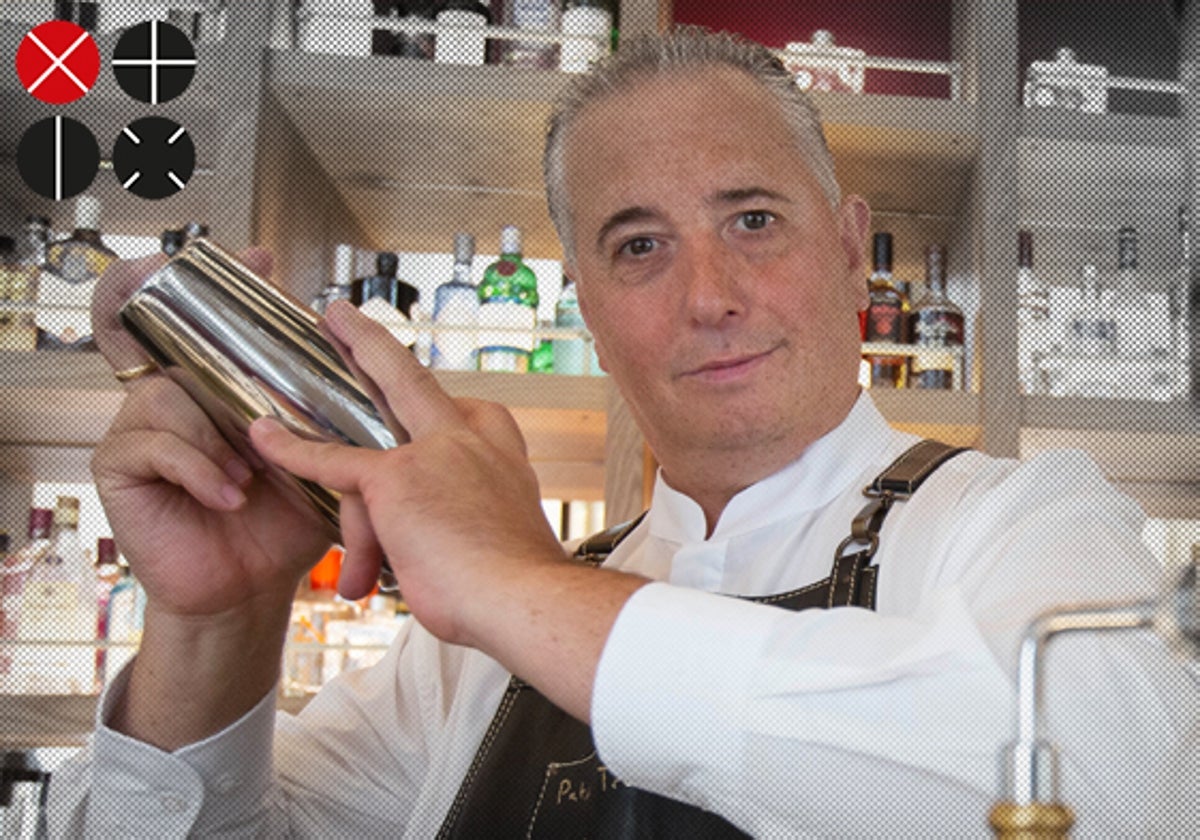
(638, 247)
(756, 219)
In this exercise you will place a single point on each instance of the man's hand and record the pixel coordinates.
(218, 550)
(457, 509)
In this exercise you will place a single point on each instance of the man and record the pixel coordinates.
(720, 272)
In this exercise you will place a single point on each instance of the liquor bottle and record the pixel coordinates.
(86, 15)
(1065, 83)
(590, 22)
(536, 16)
(822, 65)
(541, 360)
(1179, 314)
(58, 605)
(887, 317)
(936, 324)
(383, 41)
(456, 307)
(417, 45)
(573, 356)
(1033, 320)
(14, 570)
(107, 572)
(1140, 334)
(462, 47)
(123, 623)
(73, 265)
(339, 288)
(29, 262)
(508, 298)
(17, 282)
(1090, 330)
(171, 242)
(386, 285)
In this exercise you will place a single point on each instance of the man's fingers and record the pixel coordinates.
(412, 392)
(330, 464)
(364, 556)
(153, 455)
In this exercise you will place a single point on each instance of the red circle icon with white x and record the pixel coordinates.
(58, 62)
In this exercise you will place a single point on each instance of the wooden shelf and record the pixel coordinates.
(417, 149)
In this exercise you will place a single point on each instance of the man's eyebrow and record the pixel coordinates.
(623, 217)
(741, 194)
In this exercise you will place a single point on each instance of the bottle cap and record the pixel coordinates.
(87, 213)
(881, 250)
(172, 242)
(935, 265)
(386, 263)
(464, 247)
(343, 264)
(37, 221)
(66, 511)
(1025, 249)
(385, 604)
(106, 551)
(7, 245)
(510, 240)
(5, 542)
(40, 521)
(1127, 248)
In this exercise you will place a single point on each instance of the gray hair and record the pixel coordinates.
(683, 48)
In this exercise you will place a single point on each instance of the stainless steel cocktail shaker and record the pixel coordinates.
(243, 349)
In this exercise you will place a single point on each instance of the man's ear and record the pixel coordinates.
(854, 224)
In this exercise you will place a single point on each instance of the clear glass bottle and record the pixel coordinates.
(339, 288)
(58, 606)
(1140, 335)
(590, 23)
(535, 16)
(1179, 312)
(73, 265)
(107, 572)
(1090, 330)
(464, 46)
(456, 306)
(1033, 320)
(822, 65)
(573, 356)
(936, 326)
(887, 317)
(386, 285)
(1066, 83)
(17, 283)
(15, 566)
(508, 302)
(29, 257)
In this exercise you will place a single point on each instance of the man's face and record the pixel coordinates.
(720, 286)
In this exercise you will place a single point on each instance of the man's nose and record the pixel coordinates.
(712, 280)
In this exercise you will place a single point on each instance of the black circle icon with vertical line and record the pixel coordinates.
(58, 157)
(154, 62)
(153, 157)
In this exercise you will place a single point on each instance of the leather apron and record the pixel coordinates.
(536, 774)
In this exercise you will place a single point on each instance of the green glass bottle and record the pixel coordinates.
(508, 302)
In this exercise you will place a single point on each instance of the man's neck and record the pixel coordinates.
(712, 478)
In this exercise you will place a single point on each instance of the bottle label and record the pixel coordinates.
(937, 329)
(885, 322)
(506, 324)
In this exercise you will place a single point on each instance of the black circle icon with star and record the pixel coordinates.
(58, 157)
(154, 62)
(153, 157)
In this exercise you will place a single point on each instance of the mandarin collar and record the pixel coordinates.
(824, 470)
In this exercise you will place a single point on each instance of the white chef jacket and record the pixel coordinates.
(845, 722)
